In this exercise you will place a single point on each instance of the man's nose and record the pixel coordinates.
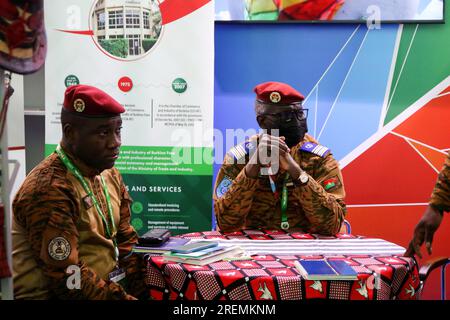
(115, 141)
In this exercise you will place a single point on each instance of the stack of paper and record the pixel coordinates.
(206, 256)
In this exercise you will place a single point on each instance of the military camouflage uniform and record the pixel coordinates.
(317, 207)
(440, 198)
(56, 225)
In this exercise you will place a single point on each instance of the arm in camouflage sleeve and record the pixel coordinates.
(233, 195)
(126, 238)
(440, 198)
(53, 214)
(325, 209)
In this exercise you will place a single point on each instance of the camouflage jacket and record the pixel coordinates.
(55, 225)
(440, 198)
(317, 207)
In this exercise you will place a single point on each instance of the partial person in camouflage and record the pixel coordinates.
(432, 217)
(71, 216)
(303, 189)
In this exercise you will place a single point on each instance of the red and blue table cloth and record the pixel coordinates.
(269, 272)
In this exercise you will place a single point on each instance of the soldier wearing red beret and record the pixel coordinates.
(72, 236)
(283, 179)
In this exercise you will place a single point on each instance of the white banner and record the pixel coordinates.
(157, 59)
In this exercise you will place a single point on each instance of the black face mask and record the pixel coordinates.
(291, 125)
(293, 133)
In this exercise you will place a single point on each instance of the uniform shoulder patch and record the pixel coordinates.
(59, 248)
(241, 150)
(315, 148)
(223, 186)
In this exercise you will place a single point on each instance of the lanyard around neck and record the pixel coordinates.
(74, 170)
(284, 200)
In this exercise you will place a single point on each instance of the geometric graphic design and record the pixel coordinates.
(418, 68)
(403, 158)
(321, 100)
(431, 155)
(353, 111)
(389, 179)
(393, 164)
(429, 125)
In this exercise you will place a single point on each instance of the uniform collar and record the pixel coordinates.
(85, 170)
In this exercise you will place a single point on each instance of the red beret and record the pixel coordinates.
(277, 93)
(88, 101)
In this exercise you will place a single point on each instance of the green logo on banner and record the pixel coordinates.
(137, 207)
(71, 80)
(137, 224)
(179, 85)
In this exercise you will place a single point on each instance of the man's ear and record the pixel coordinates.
(258, 120)
(69, 132)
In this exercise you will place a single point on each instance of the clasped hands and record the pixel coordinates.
(272, 152)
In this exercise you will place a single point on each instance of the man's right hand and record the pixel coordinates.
(424, 232)
(267, 154)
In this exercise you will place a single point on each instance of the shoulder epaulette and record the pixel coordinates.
(241, 150)
(315, 148)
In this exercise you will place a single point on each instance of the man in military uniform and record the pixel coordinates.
(282, 179)
(72, 213)
(432, 217)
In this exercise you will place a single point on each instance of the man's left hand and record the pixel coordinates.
(287, 163)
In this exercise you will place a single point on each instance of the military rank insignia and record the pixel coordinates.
(59, 248)
(223, 186)
(241, 150)
(315, 149)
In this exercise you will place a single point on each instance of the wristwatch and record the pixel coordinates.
(303, 179)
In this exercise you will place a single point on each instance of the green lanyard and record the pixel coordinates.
(284, 200)
(74, 170)
(284, 204)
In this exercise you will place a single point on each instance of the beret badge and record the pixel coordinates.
(79, 105)
(275, 97)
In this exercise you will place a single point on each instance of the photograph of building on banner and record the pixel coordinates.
(403, 11)
(126, 29)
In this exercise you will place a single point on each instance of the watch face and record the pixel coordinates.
(303, 177)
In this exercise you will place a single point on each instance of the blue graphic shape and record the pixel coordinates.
(329, 85)
(356, 114)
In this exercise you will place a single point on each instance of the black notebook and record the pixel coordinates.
(325, 270)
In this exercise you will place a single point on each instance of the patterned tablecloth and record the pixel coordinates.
(383, 273)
